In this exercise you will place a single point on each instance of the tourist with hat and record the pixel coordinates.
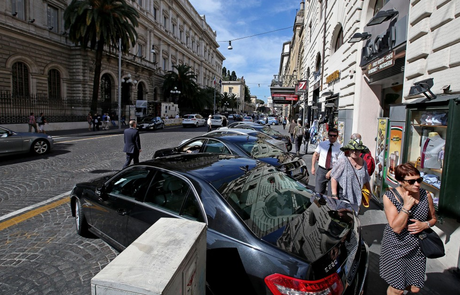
(349, 174)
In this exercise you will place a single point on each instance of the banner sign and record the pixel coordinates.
(285, 97)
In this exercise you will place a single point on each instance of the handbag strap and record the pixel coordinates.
(397, 195)
(353, 168)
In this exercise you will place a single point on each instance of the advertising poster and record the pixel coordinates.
(394, 153)
(380, 159)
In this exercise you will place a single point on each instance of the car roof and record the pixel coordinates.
(206, 166)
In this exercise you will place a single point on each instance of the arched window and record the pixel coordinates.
(338, 40)
(20, 74)
(54, 84)
(106, 88)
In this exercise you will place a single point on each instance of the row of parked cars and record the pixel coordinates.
(266, 230)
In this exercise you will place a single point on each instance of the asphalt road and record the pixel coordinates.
(40, 252)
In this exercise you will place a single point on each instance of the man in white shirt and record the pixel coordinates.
(325, 161)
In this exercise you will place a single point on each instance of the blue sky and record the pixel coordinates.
(256, 58)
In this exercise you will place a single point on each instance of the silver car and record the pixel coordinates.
(12, 142)
(194, 120)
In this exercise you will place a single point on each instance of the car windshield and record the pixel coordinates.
(267, 200)
(270, 131)
(189, 117)
(147, 120)
(260, 149)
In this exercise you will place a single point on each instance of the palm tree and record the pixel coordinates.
(185, 81)
(97, 23)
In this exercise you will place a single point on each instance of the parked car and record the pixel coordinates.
(273, 121)
(218, 121)
(278, 143)
(248, 119)
(194, 120)
(242, 145)
(12, 142)
(151, 123)
(267, 130)
(266, 233)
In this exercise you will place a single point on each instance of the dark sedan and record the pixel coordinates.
(266, 233)
(12, 142)
(243, 145)
(151, 123)
(267, 130)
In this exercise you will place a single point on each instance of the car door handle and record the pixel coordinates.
(122, 211)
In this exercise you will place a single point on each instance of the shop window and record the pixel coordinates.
(54, 84)
(379, 4)
(20, 75)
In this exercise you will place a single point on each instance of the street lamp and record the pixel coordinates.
(175, 91)
(226, 104)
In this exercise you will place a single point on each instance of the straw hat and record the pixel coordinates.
(354, 145)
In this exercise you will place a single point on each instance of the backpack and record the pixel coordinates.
(369, 161)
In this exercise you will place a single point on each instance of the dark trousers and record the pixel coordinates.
(131, 157)
(321, 181)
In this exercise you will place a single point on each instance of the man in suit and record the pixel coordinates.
(132, 144)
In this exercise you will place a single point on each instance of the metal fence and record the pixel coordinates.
(16, 109)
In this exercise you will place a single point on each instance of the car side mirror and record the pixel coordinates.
(101, 192)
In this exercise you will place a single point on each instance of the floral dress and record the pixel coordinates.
(402, 263)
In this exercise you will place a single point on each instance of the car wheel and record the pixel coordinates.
(196, 125)
(40, 147)
(80, 220)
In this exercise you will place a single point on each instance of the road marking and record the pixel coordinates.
(82, 139)
(33, 210)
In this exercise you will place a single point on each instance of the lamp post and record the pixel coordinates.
(175, 91)
(119, 83)
(226, 104)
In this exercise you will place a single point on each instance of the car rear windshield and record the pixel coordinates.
(189, 117)
(267, 200)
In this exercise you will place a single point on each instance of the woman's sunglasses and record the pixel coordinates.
(412, 181)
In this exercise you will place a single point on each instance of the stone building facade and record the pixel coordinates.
(37, 60)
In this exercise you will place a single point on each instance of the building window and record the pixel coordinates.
(52, 19)
(379, 4)
(54, 84)
(20, 79)
(140, 3)
(181, 33)
(230, 89)
(165, 22)
(140, 50)
(155, 13)
(165, 64)
(173, 29)
(338, 40)
(17, 6)
(106, 89)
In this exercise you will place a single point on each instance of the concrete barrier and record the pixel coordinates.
(168, 259)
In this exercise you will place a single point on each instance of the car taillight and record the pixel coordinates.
(284, 285)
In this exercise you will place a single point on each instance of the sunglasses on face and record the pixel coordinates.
(412, 181)
(332, 135)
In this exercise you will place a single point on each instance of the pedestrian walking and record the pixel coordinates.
(284, 122)
(409, 210)
(298, 136)
(32, 123)
(326, 153)
(132, 146)
(349, 174)
(291, 130)
(209, 123)
(96, 122)
(89, 118)
(306, 136)
(41, 123)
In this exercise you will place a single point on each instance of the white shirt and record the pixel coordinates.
(322, 150)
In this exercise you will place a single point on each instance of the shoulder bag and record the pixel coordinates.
(366, 194)
(430, 243)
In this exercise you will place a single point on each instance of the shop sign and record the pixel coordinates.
(301, 87)
(280, 97)
(383, 63)
(332, 77)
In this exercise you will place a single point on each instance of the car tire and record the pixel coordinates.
(80, 220)
(40, 147)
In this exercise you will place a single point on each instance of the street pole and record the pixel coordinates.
(214, 106)
(119, 83)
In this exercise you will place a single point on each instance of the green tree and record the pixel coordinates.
(233, 76)
(247, 94)
(184, 79)
(97, 23)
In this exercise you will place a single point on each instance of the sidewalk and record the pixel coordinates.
(442, 274)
